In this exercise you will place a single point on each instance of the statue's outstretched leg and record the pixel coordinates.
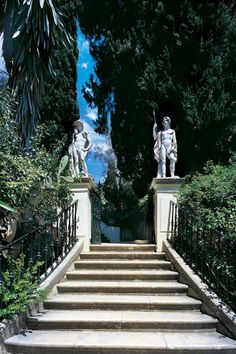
(173, 160)
(163, 169)
(84, 169)
(163, 162)
(76, 163)
(159, 170)
(172, 168)
(82, 155)
(71, 160)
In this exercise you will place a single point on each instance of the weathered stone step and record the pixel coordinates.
(121, 302)
(122, 275)
(123, 320)
(124, 264)
(118, 342)
(137, 287)
(122, 255)
(119, 247)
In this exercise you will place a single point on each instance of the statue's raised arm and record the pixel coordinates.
(88, 143)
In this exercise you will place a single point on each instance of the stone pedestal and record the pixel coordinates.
(81, 191)
(165, 190)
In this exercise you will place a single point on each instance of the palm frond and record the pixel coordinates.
(30, 31)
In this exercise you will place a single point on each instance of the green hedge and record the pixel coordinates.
(211, 196)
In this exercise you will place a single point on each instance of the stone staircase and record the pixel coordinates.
(121, 299)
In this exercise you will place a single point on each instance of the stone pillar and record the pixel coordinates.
(165, 190)
(81, 191)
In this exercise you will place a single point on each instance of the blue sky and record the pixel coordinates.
(101, 143)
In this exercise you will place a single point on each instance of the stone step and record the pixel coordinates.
(120, 342)
(121, 320)
(125, 247)
(122, 264)
(122, 255)
(121, 302)
(122, 275)
(122, 287)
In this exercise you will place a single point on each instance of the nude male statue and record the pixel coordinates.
(78, 150)
(165, 146)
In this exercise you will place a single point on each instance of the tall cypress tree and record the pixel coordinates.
(60, 107)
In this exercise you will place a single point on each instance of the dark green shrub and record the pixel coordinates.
(19, 288)
(28, 180)
(212, 196)
(206, 236)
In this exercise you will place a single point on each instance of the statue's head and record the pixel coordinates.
(78, 125)
(166, 122)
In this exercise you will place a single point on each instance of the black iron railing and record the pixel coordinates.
(46, 245)
(96, 218)
(211, 254)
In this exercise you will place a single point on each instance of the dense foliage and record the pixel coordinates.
(59, 106)
(19, 289)
(212, 197)
(28, 182)
(39, 56)
(206, 233)
(30, 29)
(29, 178)
(176, 57)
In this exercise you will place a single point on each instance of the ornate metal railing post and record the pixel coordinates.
(96, 218)
(74, 220)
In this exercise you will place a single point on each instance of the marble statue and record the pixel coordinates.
(165, 146)
(78, 150)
